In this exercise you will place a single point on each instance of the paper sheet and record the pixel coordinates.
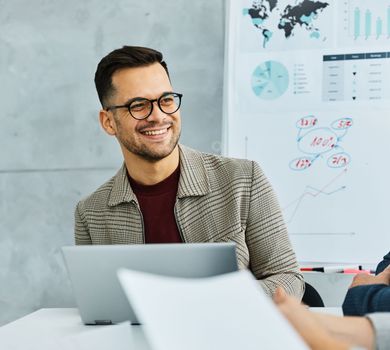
(227, 312)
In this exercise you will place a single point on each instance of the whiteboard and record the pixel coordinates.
(307, 96)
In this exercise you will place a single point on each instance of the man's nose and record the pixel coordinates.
(157, 114)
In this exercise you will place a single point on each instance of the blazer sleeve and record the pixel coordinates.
(361, 300)
(272, 258)
(81, 232)
(383, 264)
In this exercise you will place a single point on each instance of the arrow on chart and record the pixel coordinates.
(313, 192)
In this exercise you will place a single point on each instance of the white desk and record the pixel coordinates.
(61, 329)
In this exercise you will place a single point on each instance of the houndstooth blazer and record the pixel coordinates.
(219, 199)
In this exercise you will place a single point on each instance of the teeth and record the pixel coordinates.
(155, 132)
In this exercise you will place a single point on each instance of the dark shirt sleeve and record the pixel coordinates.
(361, 300)
(383, 264)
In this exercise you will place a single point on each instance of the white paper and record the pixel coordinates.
(224, 312)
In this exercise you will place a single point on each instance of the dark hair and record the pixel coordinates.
(126, 57)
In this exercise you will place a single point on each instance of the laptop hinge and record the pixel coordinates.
(103, 322)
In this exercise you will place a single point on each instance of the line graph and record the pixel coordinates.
(313, 192)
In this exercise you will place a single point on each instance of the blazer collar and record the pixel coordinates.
(121, 191)
(193, 179)
(193, 174)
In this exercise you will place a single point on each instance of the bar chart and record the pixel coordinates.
(371, 27)
(367, 20)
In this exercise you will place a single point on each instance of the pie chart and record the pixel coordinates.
(270, 80)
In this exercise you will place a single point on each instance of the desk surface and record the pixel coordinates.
(62, 329)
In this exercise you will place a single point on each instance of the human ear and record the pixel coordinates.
(107, 122)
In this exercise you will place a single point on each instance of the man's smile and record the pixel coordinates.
(155, 132)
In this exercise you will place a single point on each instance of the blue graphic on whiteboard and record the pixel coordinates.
(367, 19)
(321, 143)
(275, 17)
(270, 80)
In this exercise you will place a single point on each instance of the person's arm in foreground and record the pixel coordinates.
(272, 258)
(367, 294)
(322, 331)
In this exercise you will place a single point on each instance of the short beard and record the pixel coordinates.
(145, 153)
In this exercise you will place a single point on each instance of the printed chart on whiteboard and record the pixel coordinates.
(307, 96)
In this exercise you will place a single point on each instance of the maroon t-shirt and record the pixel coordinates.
(157, 206)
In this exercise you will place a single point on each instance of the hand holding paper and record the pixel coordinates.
(227, 312)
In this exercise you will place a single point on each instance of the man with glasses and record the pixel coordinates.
(168, 193)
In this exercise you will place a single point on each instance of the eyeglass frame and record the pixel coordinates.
(128, 104)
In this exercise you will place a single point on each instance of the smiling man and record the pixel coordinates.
(168, 193)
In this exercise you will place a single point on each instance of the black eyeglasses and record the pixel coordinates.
(141, 108)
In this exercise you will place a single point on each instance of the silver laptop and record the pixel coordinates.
(92, 271)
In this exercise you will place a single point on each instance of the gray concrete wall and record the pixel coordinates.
(53, 151)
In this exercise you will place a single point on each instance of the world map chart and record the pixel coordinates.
(302, 14)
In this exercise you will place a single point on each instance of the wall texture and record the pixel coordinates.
(53, 151)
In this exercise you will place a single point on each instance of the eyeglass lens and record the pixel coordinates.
(141, 108)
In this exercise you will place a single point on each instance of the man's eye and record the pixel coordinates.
(138, 106)
(167, 100)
